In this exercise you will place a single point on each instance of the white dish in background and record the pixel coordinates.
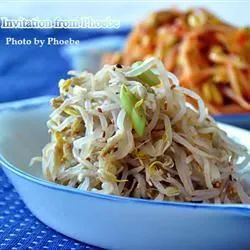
(88, 54)
(110, 221)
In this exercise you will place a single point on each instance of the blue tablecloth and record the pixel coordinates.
(28, 71)
(19, 229)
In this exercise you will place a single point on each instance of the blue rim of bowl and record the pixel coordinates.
(39, 102)
(242, 120)
(233, 116)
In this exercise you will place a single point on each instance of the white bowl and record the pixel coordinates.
(110, 221)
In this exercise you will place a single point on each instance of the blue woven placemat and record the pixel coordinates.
(19, 229)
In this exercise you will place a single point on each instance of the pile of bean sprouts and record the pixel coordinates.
(130, 131)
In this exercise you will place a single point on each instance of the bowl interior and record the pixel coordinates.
(23, 135)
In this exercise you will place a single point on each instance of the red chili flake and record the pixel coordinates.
(99, 110)
(165, 105)
(217, 184)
